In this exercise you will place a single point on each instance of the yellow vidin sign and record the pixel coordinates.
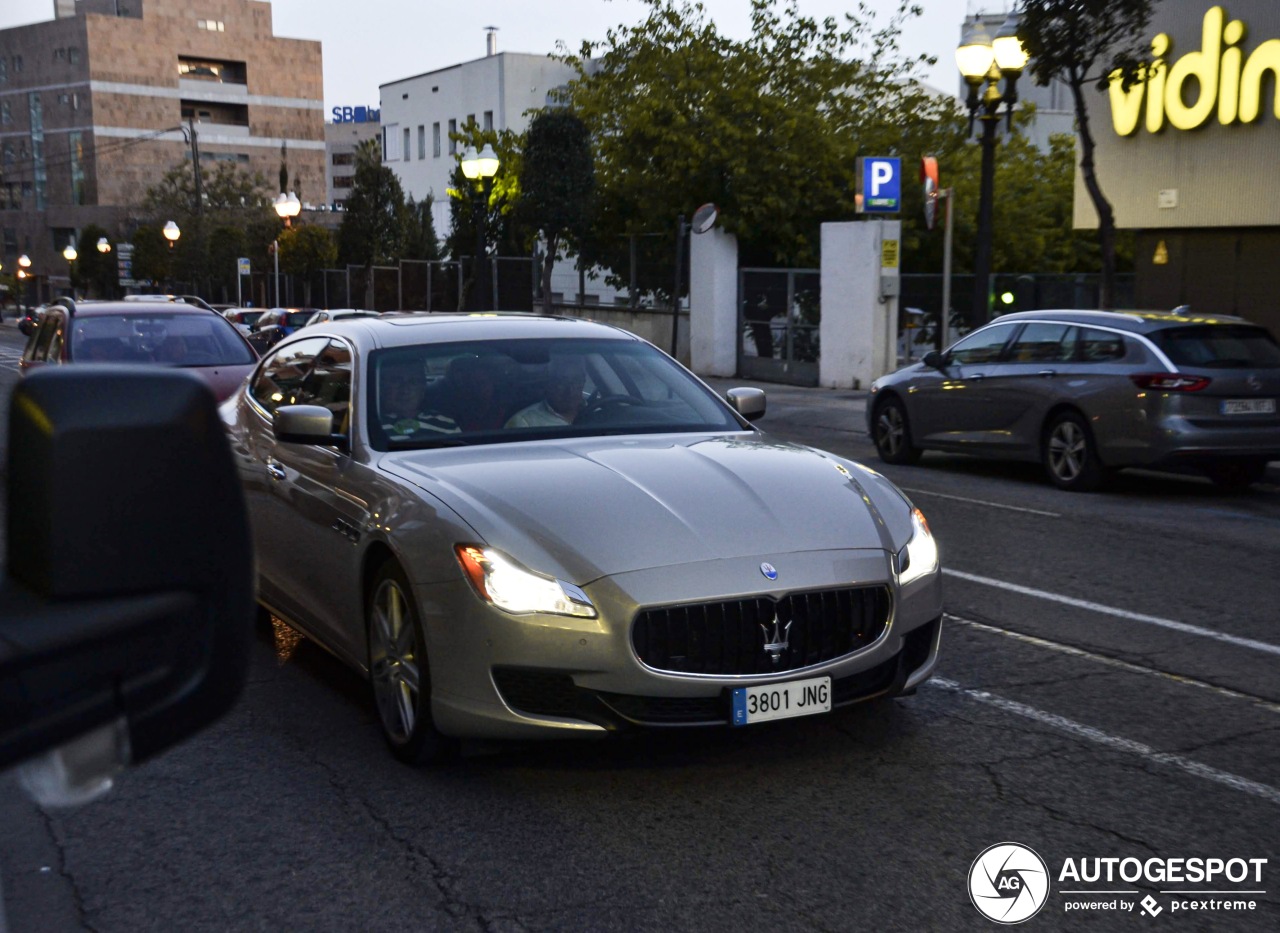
(1226, 82)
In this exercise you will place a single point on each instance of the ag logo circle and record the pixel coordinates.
(1008, 883)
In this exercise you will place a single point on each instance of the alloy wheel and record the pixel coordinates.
(1068, 448)
(394, 661)
(891, 430)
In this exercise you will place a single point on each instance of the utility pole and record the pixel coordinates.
(195, 164)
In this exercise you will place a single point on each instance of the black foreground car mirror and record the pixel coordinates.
(127, 610)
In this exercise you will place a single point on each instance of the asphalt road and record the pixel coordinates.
(1109, 688)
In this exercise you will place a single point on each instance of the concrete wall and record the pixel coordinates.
(653, 326)
(713, 303)
(859, 330)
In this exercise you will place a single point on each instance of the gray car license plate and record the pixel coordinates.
(781, 701)
(1249, 406)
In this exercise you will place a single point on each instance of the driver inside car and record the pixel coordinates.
(402, 386)
(562, 398)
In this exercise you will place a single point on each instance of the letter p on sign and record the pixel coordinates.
(880, 184)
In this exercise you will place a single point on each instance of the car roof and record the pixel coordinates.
(1140, 322)
(398, 329)
(135, 308)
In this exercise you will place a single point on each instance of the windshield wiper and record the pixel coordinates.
(428, 444)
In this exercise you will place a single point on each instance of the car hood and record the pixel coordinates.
(586, 508)
(225, 379)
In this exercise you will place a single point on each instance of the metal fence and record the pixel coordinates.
(779, 313)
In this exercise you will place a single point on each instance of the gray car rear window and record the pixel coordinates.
(1219, 346)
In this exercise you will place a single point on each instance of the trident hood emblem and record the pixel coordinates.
(776, 642)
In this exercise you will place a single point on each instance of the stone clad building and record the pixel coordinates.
(95, 107)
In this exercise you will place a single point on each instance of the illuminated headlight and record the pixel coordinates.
(500, 580)
(920, 556)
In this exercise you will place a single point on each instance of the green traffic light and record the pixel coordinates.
(1007, 298)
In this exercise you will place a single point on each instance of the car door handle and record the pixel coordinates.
(1047, 372)
(275, 471)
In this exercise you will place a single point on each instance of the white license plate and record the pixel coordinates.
(1249, 406)
(781, 701)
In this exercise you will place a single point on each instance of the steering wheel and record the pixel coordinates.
(598, 403)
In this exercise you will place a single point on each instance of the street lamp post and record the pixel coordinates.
(24, 275)
(287, 207)
(482, 165)
(70, 254)
(983, 63)
(171, 233)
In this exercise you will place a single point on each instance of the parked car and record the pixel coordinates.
(338, 314)
(189, 299)
(653, 562)
(1086, 392)
(243, 318)
(30, 320)
(164, 333)
(275, 324)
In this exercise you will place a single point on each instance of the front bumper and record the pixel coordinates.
(500, 676)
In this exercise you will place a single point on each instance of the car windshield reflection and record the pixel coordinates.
(485, 392)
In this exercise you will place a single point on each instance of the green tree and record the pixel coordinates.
(1088, 43)
(373, 227)
(305, 250)
(557, 182)
(152, 255)
(768, 128)
(93, 271)
(226, 245)
(420, 238)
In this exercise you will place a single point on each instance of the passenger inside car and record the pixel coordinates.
(402, 388)
(566, 377)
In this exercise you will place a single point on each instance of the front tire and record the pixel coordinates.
(399, 675)
(1069, 454)
(893, 434)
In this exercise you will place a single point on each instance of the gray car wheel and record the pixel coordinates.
(893, 434)
(1070, 458)
(399, 673)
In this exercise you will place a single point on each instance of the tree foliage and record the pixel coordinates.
(372, 230)
(1084, 42)
(557, 183)
(305, 250)
(767, 128)
(93, 271)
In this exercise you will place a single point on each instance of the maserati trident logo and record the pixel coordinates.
(770, 571)
(1254, 383)
(777, 642)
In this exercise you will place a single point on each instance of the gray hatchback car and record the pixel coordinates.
(1085, 392)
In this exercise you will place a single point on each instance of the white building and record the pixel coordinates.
(420, 112)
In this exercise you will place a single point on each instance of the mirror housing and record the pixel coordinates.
(750, 403)
(127, 612)
(934, 359)
(306, 424)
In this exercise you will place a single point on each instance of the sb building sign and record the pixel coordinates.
(1183, 156)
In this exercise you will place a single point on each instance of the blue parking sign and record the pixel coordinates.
(880, 185)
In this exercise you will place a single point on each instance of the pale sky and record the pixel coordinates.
(371, 42)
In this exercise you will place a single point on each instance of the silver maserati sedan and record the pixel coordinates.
(520, 527)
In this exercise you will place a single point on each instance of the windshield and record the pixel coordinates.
(168, 339)
(297, 318)
(484, 392)
(1219, 346)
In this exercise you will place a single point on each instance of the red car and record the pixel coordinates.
(171, 333)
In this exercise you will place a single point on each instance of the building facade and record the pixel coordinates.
(98, 103)
(341, 139)
(1187, 158)
(418, 114)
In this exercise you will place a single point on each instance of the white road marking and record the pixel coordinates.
(1114, 662)
(1114, 742)
(993, 505)
(1171, 624)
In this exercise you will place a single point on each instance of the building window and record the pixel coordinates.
(76, 141)
(211, 25)
(59, 55)
(73, 56)
(8, 155)
(422, 142)
(205, 69)
(17, 64)
(343, 181)
(10, 239)
(6, 116)
(488, 121)
(453, 143)
(344, 158)
(408, 153)
(435, 140)
(4, 70)
(36, 110)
